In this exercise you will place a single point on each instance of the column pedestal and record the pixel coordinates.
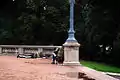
(71, 53)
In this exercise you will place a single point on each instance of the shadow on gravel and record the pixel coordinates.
(78, 75)
(37, 63)
(115, 76)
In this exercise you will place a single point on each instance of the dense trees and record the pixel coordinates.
(46, 22)
(34, 21)
(101, 18)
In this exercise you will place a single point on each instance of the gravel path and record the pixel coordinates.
(12, 68)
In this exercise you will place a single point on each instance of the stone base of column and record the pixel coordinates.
(71, 63)
(71, 53)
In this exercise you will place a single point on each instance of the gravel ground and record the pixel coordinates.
(12, 68)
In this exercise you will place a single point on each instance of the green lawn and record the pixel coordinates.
(100, 66)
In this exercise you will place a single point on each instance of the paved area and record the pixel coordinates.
(12, 68)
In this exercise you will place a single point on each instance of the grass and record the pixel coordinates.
(100, 66)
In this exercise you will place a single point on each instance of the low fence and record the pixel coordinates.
(21, 49)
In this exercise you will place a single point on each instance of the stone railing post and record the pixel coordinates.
(0, 50)
(39, 51)
(20, 50)
(16, 51)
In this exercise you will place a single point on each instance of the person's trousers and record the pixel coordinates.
(54, 58)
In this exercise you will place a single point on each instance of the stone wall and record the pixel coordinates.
(21, 49)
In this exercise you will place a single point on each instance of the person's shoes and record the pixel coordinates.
(53, 63)
(56, 63)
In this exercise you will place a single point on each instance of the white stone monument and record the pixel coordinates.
(71, 46)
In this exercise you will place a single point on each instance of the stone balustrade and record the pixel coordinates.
(21, 49)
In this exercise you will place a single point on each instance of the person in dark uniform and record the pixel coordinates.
(54, 55)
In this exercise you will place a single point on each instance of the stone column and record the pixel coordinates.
(71, 46)
(20, 50)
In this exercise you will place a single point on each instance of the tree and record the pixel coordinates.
(34, 21)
